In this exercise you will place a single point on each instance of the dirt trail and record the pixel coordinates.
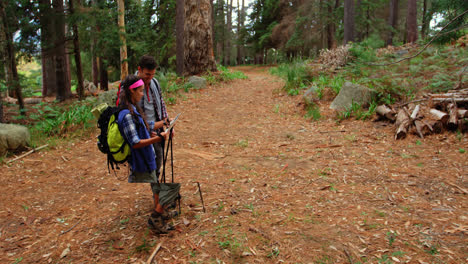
(277, 188)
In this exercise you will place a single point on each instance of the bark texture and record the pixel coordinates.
(198, 43)
(348, 21)
(180, 17)
(392, 21)
(77, 52)
(9, 57)
(411, 22)
(123, 41)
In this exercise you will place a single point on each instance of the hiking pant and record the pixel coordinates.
(159, 151)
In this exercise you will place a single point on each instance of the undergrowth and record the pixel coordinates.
(437, 69)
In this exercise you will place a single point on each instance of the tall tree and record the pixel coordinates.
(411, 22)
(180, 18)
(9, 56)
(123, 40)
(332, 6)
(348, 21)
(76, 49)
(62, 81)
(219, 30)
(227, 49)
(47, 45)
(198, 43)
(392, 21)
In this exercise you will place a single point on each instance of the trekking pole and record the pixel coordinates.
(201, 197)
(172, 157)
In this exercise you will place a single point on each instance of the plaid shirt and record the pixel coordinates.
(153, 100)
(129, 130)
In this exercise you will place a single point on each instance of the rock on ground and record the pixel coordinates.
(13, 137)
(310, 96)
(197, 82)
(351, 93)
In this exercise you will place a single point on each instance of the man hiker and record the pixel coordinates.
(155, 112)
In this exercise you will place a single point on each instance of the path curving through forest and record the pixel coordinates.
(276, 186)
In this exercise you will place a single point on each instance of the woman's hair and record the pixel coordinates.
(126, 98)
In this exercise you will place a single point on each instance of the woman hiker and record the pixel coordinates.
(136, 132)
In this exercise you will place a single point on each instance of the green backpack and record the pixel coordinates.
(111, 141)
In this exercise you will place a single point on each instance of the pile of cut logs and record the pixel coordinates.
(442, 112)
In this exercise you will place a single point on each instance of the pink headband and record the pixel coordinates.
(137, 84)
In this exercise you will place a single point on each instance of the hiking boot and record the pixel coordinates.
(166, 215)
(157, 224)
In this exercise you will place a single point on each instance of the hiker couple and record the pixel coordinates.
(143, 128)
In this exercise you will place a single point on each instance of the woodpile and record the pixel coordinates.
(443, 112)
(335, 58)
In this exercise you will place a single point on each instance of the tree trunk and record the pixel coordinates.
(3, 47)
(392, 21)
(348, 21)
(62, 81)
(104, 79)
(331, 41)
(222, 36)
(94, 58)
(180, 17)
(227, 50)
(123, 40)
(239, 19)
(411, 22)
(198, 49)
(358, 27)
(426, 19)
(77, 52)
(47, 45)
(9, 57)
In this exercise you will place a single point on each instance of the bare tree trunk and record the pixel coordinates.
(9, 57)
(348, 21)
(227, 50)
(62, 81)
(47, 55)
(104, 79)
(94, 58)
(331, 41)
(198, 49)
(77, 52)
(411, 22)
(123, 40)
(180, 17)
(239, 19)
(242, 49)
(426, 19)
(392, 20)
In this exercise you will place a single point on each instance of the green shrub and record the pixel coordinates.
(295, 75)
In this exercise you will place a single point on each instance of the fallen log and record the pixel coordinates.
(385, 111)
(463, 125)
(451, 99)
(422, 128)
(439, 115)
(402, 123)
(415, 112)
(462, 113)
(437, 126)
(453, 120)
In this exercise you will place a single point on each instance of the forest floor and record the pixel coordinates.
(276, 186)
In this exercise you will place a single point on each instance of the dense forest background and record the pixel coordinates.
(101, 41)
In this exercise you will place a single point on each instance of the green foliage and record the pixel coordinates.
(55, 121)
(227, 75)
(442, 82)
(295, 75)
(313, 111)
(357, 111)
